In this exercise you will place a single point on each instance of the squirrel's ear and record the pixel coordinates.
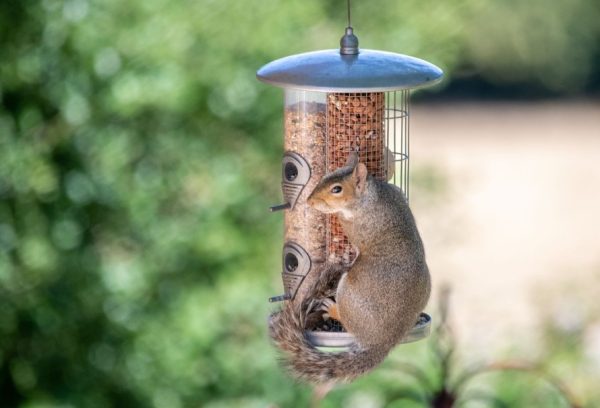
(352, 160)
(359, 174)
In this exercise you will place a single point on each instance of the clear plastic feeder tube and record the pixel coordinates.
(305, 128)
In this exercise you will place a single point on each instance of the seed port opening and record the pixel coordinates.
(296, 264)
(290, 171)
(295, 173)
(291, 263)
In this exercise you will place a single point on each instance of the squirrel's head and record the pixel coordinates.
(339, 190)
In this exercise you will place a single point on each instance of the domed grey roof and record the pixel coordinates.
(368, 71)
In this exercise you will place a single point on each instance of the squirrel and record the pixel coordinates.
(379, 299)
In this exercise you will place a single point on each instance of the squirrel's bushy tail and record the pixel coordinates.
(304, 361)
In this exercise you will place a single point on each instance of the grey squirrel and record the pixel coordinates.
(379, 299)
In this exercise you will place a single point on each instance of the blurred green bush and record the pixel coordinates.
(138, 155)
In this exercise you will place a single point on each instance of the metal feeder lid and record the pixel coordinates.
(334, 71)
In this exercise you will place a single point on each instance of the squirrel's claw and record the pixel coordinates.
(330, 308)
(326, 304)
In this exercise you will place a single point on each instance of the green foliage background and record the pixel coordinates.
(138, 155)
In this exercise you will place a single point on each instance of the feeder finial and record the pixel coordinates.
(349, 43)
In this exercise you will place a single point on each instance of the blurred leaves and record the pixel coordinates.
(138, 155)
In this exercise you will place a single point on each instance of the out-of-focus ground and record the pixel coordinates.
(518, 214)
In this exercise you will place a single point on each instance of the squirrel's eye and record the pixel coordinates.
(336, 189)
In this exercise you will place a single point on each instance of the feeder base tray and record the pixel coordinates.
(336, 338)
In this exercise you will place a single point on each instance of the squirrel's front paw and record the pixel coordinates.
(330, 308)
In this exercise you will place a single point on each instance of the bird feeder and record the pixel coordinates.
(335, 102)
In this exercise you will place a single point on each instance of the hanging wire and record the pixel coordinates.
(349, 20)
